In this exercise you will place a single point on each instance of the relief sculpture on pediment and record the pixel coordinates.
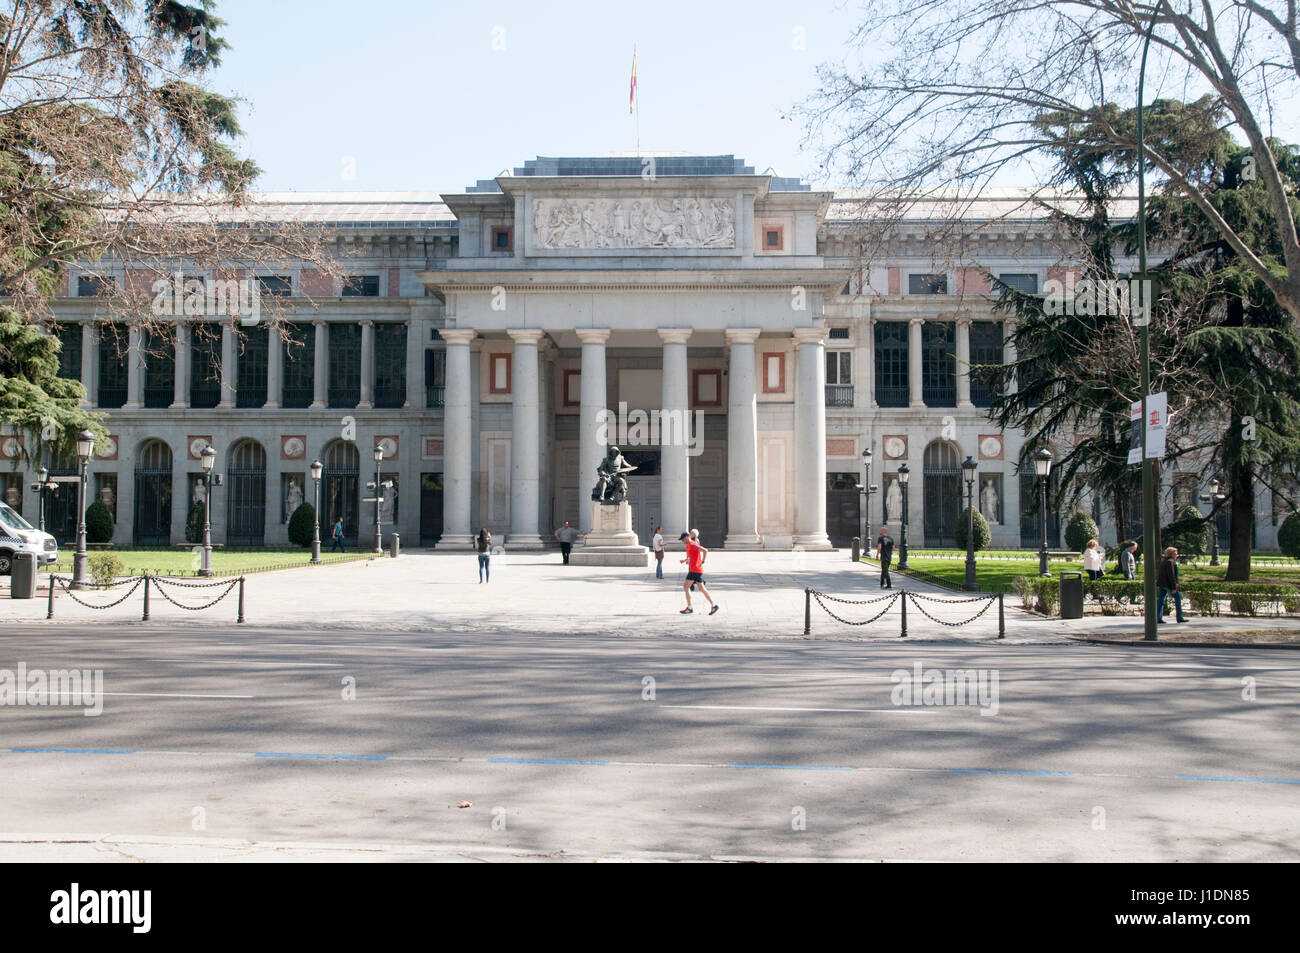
(687, 222)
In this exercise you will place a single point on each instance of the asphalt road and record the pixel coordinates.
(210, 739)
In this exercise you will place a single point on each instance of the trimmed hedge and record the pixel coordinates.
(1205, 598)
(1080, 528)
(982, 535)
(99, 523)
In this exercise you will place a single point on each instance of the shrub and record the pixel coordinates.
(194, 523)
(1189, 531)
(1079, 530)
(1025, 590)
(105, 567)
(302, 524)
(1114, 591)
(1203, 602)
(99, 523)
(1048, 591)
(1288, 536)
(982, 535)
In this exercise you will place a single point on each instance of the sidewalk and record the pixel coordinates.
(761, 595)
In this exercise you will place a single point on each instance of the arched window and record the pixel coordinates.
(943, 503)
(153, 495)
(340, 488)
(246, 489)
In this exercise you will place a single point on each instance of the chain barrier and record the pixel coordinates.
(822, 598)
(208, 605)
(157, 583)
(90, 605)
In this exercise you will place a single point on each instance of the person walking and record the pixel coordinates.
(1093, 560)
(1167, 582)
(1128, 561)
(695, 556)
(658, 546)
(483, 543)
(338, 536)
(567, 535)
(885, 553)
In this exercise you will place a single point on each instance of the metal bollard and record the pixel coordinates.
(1002, 619)
(903, 598)
(857, 549)
(241, 600)
(807, 612)
(145, 616)
(50, 613)
(396, 546)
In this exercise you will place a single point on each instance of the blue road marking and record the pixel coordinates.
(1199, 777)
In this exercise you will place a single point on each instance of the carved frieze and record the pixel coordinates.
(631, 222)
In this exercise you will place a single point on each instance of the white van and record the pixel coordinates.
(19, 536)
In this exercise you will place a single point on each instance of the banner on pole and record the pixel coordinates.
(1156, 426)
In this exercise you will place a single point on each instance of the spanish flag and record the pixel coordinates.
(631, 96)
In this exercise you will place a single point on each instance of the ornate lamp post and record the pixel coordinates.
(903, 474)
(1043, 467)
(379, 536)
(1215, 497)
(316, 469)
(42, 485)
(968, 468)
(867, 490)
(85, 447)
(208, 457)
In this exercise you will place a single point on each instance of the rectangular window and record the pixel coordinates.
(390, 365)
(839, 334)
(891, 364)
(280, 286)
(112, 365)
(706, 388)
(250, 369)
(299, 366)
(159, 368)
(435, 376)
(927, 284)
(503, 239)
(773, 237)
(573, 388)
(361, 286)
(774, 372)
(839, 378)
(92, 286)
(939, 364)
(70, 351)
(344, 364)
(499, 371)
(1020, 281)
(985, 348)
(205, 365)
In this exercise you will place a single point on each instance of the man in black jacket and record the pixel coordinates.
(1167, 582)
(885, 553)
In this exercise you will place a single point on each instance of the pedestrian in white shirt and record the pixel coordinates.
(1093, 560)
(658, 546)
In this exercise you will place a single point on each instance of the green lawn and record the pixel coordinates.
(181, 562)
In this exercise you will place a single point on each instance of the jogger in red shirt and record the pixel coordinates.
(694, 560)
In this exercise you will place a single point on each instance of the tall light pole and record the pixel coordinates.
(1043, 467)
(1214, 497)
(85, 447)
(903, 474)
(316, 469)
(379, 536)
(968, 468)
(41, 487)
(867, 490)
(208, 458)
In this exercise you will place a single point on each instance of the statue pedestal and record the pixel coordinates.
(611, 541)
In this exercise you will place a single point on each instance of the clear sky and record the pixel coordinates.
(434, 95)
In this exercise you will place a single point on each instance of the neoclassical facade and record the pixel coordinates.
(723, 328)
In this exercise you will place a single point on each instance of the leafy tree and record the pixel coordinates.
(194, 523)
(1080, 528)
(1288, 536)
(301, 524)
(982, 535)
(99, 523)
(1189, 532)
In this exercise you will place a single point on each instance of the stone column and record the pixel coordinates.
(674, 464)
(810, 440)
(417, 339)
(228, 377)
(592, 406)
(914, 363)
(525, 444)
(868, 371)
(181, 396)
(963, 363)
(89, 363)
(742, 442)
(134, 368)
(274, 367)
(457, 472)
(1009, 355)
(321, 365)
(367, 364)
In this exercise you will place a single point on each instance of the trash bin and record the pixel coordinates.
(395, 546)
(22, 576)
(857, 549)
(1071, 595)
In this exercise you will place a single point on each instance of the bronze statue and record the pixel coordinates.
(610, 486)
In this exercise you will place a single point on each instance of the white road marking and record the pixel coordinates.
(856, 711)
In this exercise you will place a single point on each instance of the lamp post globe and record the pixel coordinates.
(42, 478)
(903, 473)
(85, 447)
(968, 468)
(316, 469)
(1043, 468)
(208, 458)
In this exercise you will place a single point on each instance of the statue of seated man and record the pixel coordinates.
(610, 486)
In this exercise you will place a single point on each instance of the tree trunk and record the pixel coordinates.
(1243, 522)
(1120, 501)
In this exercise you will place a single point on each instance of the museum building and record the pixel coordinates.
(720, 326)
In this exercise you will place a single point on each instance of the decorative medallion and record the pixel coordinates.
(895, 446)
(107, 449)
(990, 446)
(294, 447)
(389, 446)
(197, 444)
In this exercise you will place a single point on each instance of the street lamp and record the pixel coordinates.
(379, 536)
(42, 485)
(968, 468)
(208, 457)
(1215, 497)
(316, 468)
(1043, 467)
(867, 490)
(903, 474)
(85, 447)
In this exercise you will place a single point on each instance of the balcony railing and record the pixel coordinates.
(891, 396)
(839, 395)
(433, 396)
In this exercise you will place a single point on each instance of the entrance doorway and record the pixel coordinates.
(153, 495)
(843, 508)
(943, 503)
(430, 508)
(246, 486)
(341, 491)
(643, 493)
